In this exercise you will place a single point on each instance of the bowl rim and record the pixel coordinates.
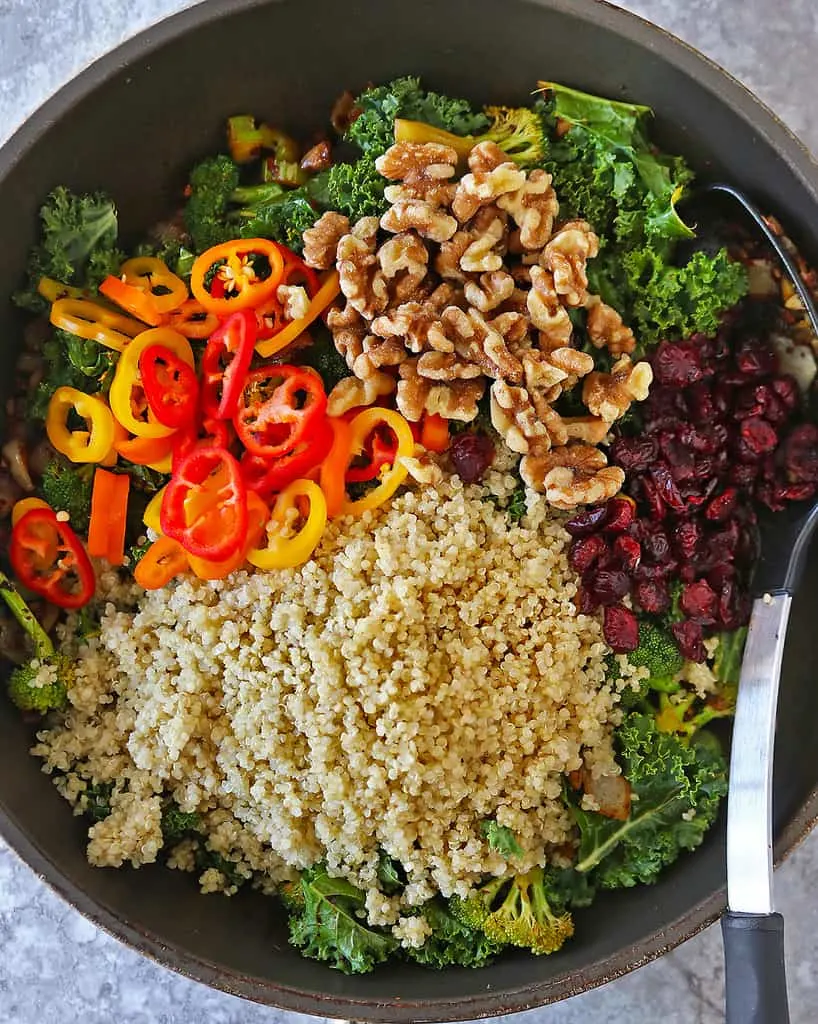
(730, 93)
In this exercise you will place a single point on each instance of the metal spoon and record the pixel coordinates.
(753, 933)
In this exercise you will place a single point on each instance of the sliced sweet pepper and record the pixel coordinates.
(26, 505)
(127, 396)
(91, 320)
(257, 515)
(391, 479)
(48, 558)
(90, 445)
(434, 432)
(204, 506)
(132, 299)
(145, 451)
(334, 466)
(225, 363)
(192, 320)
(163, 560)
(278, 407)
(269, 475)
(240, 274)
(286, 552)
(330, 287)
(109, 513)
(170, 386)
(155, 278)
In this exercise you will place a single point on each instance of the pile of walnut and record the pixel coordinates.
(468, 284)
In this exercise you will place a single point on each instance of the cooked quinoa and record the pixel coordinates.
(425, 670)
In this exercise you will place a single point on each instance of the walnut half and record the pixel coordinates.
(575, 474)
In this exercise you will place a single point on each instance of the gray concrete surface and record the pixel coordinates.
(55, 967)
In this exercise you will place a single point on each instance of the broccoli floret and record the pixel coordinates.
(77, 244)
(324, 357)
(517, 911)
(659, 653)
(518, 131)
(177, 824)
(67, 488)
(212, 182)
(685, 715)
(284, 217)
(23, 688)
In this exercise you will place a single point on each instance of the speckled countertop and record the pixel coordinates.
(57, 968)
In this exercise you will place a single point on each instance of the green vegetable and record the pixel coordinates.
(451, 942)
(500, 838)
(212, 183)
(685, 714)
(208, 860)
(22, 687)
(356, 189)
(138, 551)
(95, 800)
(177, 824)
(373, 131)
(517, 910)
(328, 926)
(67, 488)
(77, 244)
(323, 356)
(284, 219)
(606, 170)
(676, 789)
(516, 507)
(390, 874)
(660, 654)
(71, 362)
(727, 661)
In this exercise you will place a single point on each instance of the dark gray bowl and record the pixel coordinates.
(131, 124)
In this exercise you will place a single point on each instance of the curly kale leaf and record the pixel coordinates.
(284, 221)
(500, 838)
(330, 925)
(676, 791)
(71, 362)
(77, 244)
(451, 942)
(373, 130)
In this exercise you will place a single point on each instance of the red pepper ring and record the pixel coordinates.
(225, 363)
(48, 558)
(268, 476)
(278, 406)
(209, 434)
(204, 506)
(170, 386)
(381, 449)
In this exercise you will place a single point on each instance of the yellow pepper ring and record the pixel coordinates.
(94, 322)
(150, 517)
(91, 445)
(360, 429)
(148, 273)
(288, 552)
(26, 505)
(127, 377)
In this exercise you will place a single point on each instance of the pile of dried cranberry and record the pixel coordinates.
(720, 429)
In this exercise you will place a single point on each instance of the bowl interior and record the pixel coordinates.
(132, 125)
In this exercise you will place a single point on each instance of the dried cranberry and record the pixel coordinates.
(471, 454)
(720, 575)
(701, 404)
(743, 475)
(587, 521)
(758, 436)
(794, 492)
(655, 544)
(677, 455)
(722, 506)
(754, 358)
(653, 596)
(676, 365)
(586, 551)
(787, 392)
(628, 551)
(650, 492)
(587, 604)
(608, 585)
(621, 512)
(634, 454)
(800, 454)
(688, 636)
(699, 601)
(666, 487)
(686, 538)
(620, 628)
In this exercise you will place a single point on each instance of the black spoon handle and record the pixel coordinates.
(755, 976)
